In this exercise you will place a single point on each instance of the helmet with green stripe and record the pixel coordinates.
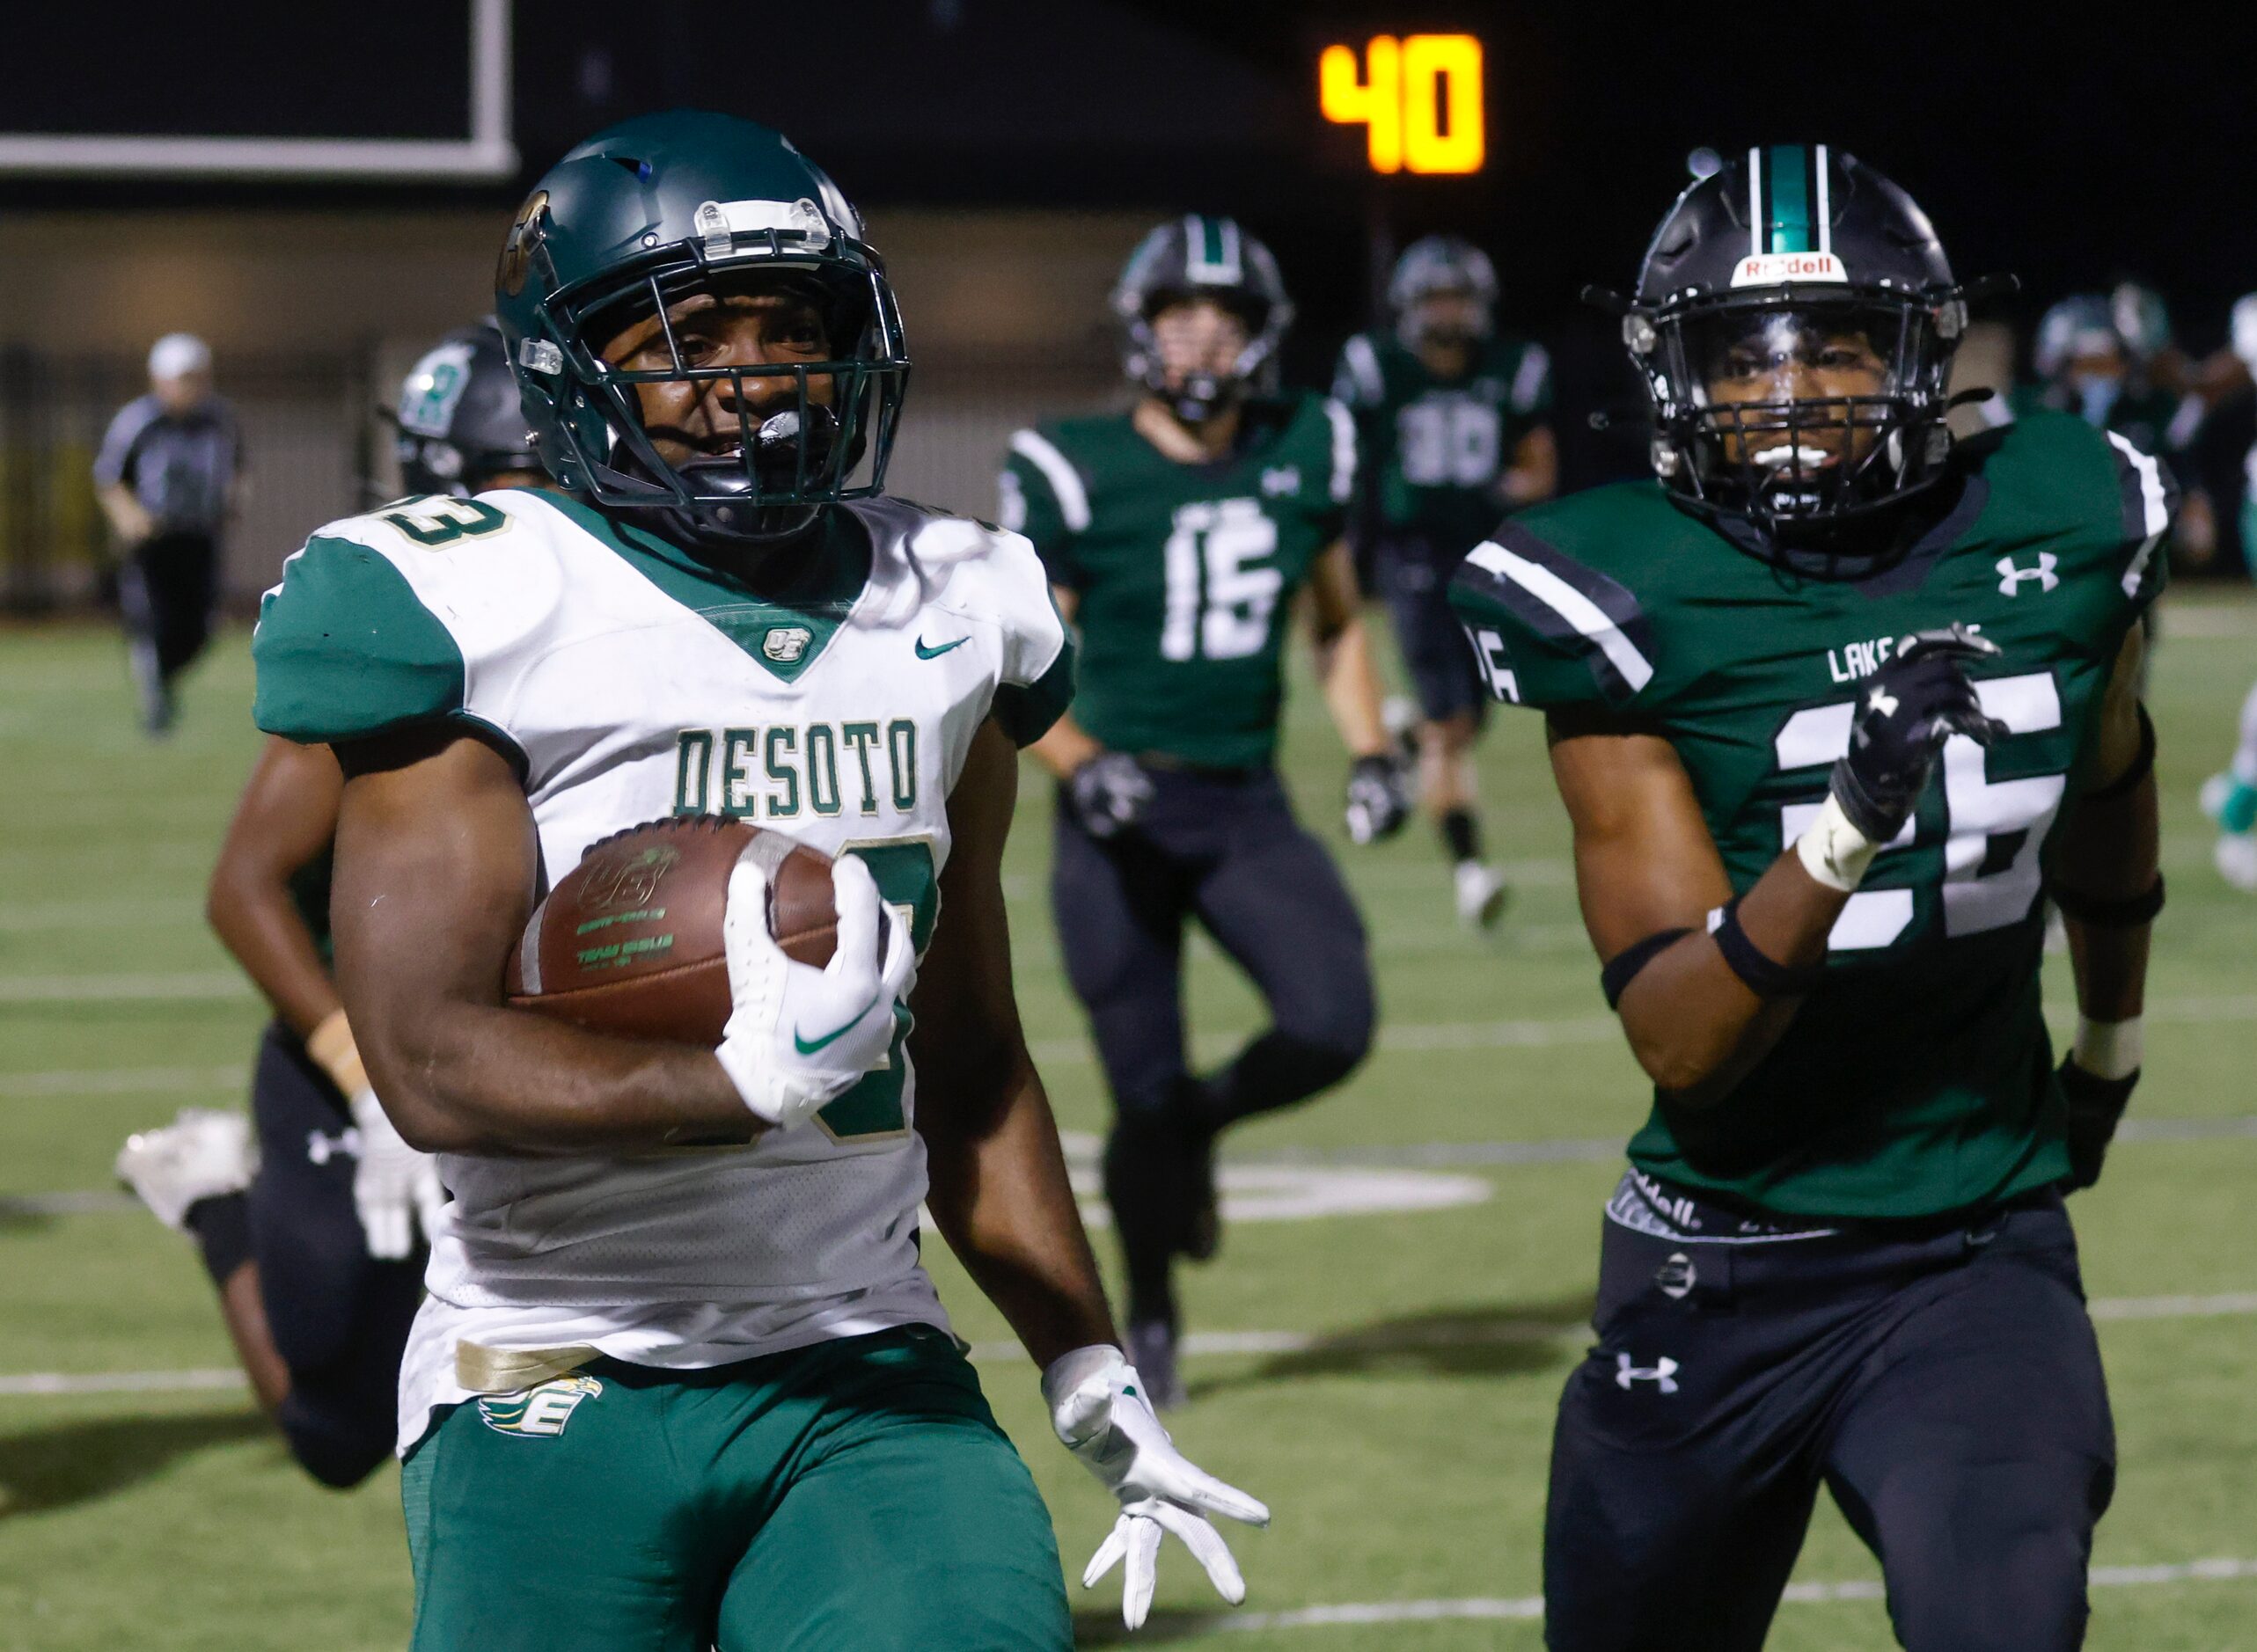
(671, 211)
(1200, 257)
(1795, 322)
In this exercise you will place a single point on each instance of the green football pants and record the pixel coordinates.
(853, 1496)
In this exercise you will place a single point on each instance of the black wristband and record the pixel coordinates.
(2143, 766)
(1623, 967)
(1765, 977)
(2129, 911)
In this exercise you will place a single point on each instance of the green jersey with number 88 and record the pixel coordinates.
(1185, 573)
(1437, 449)
(1918, 1078)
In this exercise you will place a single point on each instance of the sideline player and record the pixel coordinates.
(1840, 1254)
(1453, 415)
(2088, 365)
(680, 1367)
(168, 478)
(1179, 536)
(310, 1234)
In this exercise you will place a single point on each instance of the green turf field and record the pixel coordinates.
(1396, 1411)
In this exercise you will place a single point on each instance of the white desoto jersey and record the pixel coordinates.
(629, 680)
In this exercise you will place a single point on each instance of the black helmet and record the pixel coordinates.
(458, 422)
(1796, 248)
(1440, 264)
(1200, 257)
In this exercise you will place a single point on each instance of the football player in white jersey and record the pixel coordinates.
(680, 1381)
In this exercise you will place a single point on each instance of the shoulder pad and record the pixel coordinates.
(2149, 498)
(1042, 454)
(1548, 630)
(383, 620)
(2103, 505)
(994, 581)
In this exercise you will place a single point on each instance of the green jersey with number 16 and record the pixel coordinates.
(1918, 1078)
(1185, 572)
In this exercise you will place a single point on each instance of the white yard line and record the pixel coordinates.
(203, 984)
(1531, 1607)
(1198, 1345)
(45, 1383)
(69, 915)
(25, 1087)
(1209, 1344)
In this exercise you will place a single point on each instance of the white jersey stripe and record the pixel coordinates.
(1065, 481)
(1825, 213)
(2159, 512)
(1364, 367)
(1528, 377)
(1571, 605)
(1754, 201)
(1343, 450)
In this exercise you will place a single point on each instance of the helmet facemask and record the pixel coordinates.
(1792, 410)
(774, 441)
(1446, 324)
(1195, 396)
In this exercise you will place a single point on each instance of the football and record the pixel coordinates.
(630, 940)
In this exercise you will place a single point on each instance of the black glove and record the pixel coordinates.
(2096, 1105)
(1909, 708)
(1109, 793)
(1379, 800)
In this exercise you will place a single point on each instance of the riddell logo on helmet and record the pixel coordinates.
(1769, 269)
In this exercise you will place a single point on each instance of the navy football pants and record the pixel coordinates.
(167, 591)
(339, 1318)
(1224, 850)
(1946, 1386)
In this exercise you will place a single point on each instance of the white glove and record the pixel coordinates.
(800, 1037)
(395, 1188)
(1098, 1407)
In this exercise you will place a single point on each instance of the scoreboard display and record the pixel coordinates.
(1420, 99)
(258, 91)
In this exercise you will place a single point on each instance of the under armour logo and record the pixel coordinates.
(1882, 701)
(2011, 578)
(1281, 479)
(1662, 1373)
(320, 1149)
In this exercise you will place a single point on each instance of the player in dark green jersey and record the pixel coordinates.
(1452, 417)
(1835, 705)
(1179, 538)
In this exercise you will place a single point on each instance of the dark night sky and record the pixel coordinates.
(2070, 153)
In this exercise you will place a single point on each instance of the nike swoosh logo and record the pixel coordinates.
(807, 1046)
(924, 653)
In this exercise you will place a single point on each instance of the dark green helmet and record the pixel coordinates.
(657, 209)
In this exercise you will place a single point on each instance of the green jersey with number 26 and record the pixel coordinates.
(1185, 573)
(1918, 1078)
